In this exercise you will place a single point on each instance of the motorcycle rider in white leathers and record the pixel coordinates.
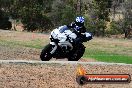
(67, 41)
(75, 35)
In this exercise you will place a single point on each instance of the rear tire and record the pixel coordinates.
(45, 54)
(77, 53)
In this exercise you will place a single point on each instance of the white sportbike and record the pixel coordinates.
(62, 45)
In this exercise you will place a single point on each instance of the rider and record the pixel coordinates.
(78, 28)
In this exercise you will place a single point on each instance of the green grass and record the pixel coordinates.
(106, 56)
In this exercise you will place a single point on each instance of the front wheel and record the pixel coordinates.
(45, 54)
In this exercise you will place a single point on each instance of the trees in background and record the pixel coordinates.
(32, 13)
(127, 21)
(41, 15)
(63, 12)
(97, 14)
(119, 12)
(44, 15)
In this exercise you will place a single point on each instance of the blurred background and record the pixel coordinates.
(103, 17)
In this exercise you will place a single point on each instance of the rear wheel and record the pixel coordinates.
(45, 54)
(77, 53)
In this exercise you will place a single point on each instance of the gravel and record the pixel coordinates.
(60, 74)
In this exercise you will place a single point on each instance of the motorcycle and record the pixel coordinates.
(62, 45)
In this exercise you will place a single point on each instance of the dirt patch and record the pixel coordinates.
(22, 36)
(24, 53)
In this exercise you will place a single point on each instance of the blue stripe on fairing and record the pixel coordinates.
(63, 29)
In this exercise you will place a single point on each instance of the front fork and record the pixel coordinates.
(54, 48)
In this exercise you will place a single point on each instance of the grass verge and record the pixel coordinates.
(107, 56)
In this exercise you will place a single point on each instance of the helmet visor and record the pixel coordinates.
(79, 24)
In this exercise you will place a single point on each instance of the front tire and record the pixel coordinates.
(45, 54)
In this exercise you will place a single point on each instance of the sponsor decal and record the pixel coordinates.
(82, 77)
